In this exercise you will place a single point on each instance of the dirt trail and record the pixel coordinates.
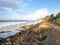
(54, 25)
(54, 36)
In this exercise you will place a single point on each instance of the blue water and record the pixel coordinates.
(13, 26)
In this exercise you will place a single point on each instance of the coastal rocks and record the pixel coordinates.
(27, 26)
(27, 37)
(1, 41)
(33, 35)
(8, 42)
(42, 27)
(30, 38)
(45, 25)
(5, 32)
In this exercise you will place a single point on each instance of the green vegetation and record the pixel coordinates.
(53, 18)
(47, 18)
(58, 20)
(40, 43)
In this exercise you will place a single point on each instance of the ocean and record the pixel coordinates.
(12, 26)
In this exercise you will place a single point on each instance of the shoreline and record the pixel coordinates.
(10, 30)
(27, 36)
(33, 34)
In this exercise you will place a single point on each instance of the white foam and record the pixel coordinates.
(10, 26)
(3, 24)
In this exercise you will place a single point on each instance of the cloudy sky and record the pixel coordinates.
(27, 9)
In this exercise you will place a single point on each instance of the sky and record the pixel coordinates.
(27, 9)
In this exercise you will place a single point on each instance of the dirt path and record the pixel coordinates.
(54, 25)
(54, 36)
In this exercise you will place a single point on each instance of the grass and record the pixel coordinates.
(40, 43)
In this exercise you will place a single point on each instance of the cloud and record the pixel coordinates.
(25, 5)
(13, 4)
(9, 3)
(15, 17)
(22, 12)
(2, 9)
(12, 15)
(37, 14)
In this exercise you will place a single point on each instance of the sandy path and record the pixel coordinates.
(54, 36)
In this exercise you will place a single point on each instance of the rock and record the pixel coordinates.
(45, 25)
(31, 36)
(27, 26)
(1, 41)
(8, 42)
(4, 32)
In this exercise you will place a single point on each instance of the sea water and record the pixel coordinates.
(10, 26)
(13, 27)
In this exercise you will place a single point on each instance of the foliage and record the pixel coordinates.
(58, 20)
(47, 18)
(40, 43)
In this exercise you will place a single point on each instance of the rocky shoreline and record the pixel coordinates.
(34, 35)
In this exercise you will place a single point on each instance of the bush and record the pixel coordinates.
(47, 18)
(40, 43)
(58, 21)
